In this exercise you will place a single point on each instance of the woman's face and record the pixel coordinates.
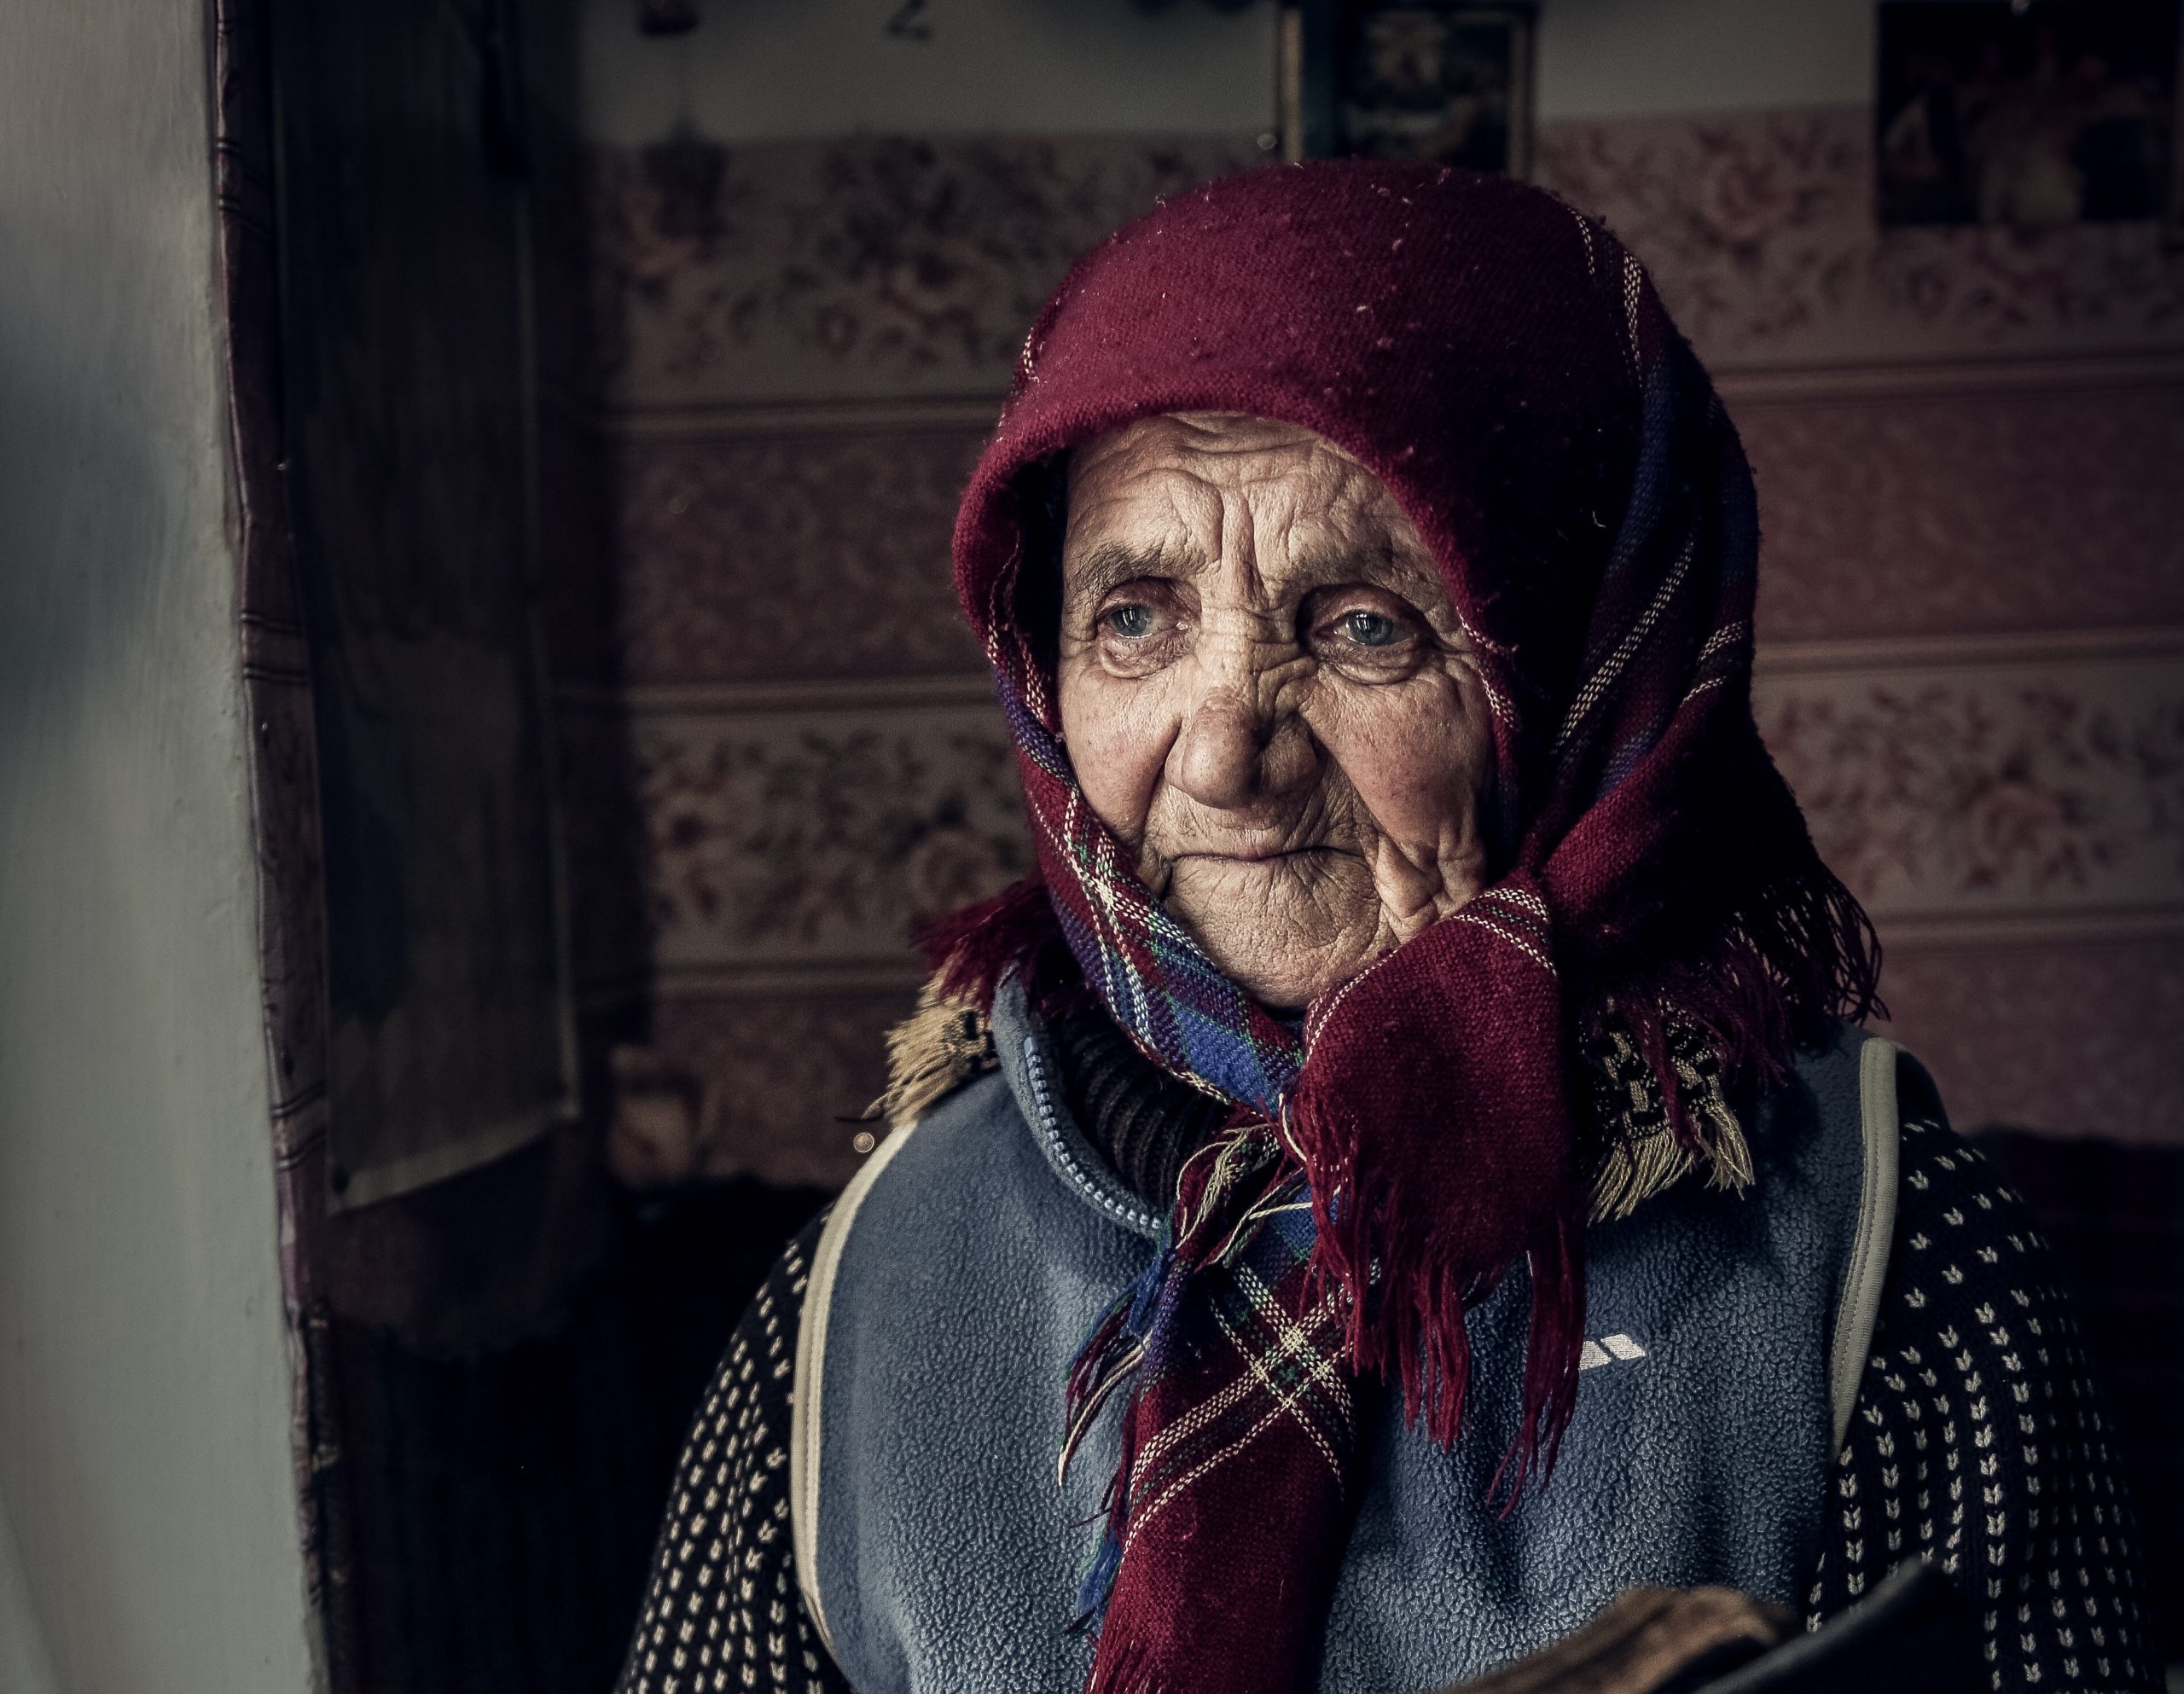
(1267, 697)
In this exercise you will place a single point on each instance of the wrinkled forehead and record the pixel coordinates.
(1210, 439)
(1228, 453)
(1195, 486)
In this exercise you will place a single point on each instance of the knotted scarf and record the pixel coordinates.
(1505, 368)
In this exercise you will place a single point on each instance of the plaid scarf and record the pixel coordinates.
(1505, 368)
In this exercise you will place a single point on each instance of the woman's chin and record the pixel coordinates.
(1283, 962)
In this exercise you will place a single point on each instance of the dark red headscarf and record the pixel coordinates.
(1505, 369)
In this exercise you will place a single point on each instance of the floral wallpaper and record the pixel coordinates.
(1954, 514)
(1759, 230)
(1990, 793)
(819, 838)
(853, 266)
(804, 555)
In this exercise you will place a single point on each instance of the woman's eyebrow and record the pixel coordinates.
(1111, 563)
(1383, 567)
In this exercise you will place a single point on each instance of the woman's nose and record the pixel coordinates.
(1240, 747)
(1219, 752)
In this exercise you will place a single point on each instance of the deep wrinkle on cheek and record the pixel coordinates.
(1118, 732)
(1395, 748)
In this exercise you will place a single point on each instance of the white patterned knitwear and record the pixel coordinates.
(722, 1610)
(1978, 1442)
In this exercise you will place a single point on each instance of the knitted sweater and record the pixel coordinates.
(1979, 1440)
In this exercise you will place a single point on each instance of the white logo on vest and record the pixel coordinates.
(1608, 1350)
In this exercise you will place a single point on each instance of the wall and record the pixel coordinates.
(1971, 605)
(782, 69)
(143, 1404)
(25, 1667)
(1645, 58)
(769, 70)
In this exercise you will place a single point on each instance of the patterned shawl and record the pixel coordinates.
(1505, 369)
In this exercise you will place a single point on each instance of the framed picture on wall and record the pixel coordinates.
(1444, 80)
(2046, 112)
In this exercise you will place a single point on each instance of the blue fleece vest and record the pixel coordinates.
(966, 1263)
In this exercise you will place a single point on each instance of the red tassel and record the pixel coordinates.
(1556, 1339)
(1430, 1185)
(972, 950)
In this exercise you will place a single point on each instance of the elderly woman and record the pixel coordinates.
(1401, 1173)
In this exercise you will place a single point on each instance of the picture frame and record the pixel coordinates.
(2027, 114)
(1447, 81)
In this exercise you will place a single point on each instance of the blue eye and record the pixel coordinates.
(1131, 622)
(1370, 629)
